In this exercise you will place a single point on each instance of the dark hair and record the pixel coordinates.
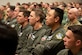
(40, 13)
(8, 40)
(58, 12)
(77, 31)
(25, 12)
(12, 8)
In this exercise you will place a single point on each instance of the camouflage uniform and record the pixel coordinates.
(76, 22)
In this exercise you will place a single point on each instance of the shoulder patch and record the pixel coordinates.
(59, 35)
(43, 38)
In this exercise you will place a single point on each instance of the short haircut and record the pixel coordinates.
(12, 8)
(77, 31)
(25, 12)
(58, 12)
(40, 13)
(8, 40)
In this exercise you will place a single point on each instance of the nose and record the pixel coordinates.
(64, 39)
(29, 17)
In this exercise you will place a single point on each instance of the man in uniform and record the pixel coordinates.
(55, 35)
(24, 30)
(73, 18)
(35, 20)
(11, 19)
(72, 41)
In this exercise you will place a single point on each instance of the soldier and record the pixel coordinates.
(35, 20)
(8, 40)
(73, 18)
(16, 12)
(24, 30)
(11, 19)
(72, 41)
(54, 35)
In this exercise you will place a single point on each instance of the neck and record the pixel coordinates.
(73, 20)
(54, 27)
(24, 24)
(37, 26)
(75, 51)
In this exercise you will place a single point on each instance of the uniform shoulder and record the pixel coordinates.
(63, 52)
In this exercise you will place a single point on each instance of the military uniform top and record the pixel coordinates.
(35, 37)
(33, 40)
(17, 27)
(58, 34)
(68, 52)
(69, 23)
(12, 22)
(49, 39)
(23, 33)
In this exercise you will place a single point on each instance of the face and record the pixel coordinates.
(16, 11)
(80, 12)
(32, 18)
(69, 40)
(9, 12)
(50, 18)
(71, 15)
(20, 18)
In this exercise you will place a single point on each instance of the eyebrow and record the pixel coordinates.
(66, 36)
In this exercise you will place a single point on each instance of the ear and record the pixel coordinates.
(78, 42)
(56, 19)
(37, 18)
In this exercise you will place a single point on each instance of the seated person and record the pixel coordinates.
(72, 41)
(8, 40)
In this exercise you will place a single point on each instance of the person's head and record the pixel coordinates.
(73, 13)
(8, 40)
(54, 16)
(62, 6)
(10, 11)
(17, 9)
(73, 38)
(23, 16)
(36, 16)
(80, 12)
(3, 7)
(77, 5)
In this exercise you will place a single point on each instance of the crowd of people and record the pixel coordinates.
(43, 28)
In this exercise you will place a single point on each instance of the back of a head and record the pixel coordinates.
(8, 40)
(25, 12)
(59, 13)
(12, 8)
(77, 31)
